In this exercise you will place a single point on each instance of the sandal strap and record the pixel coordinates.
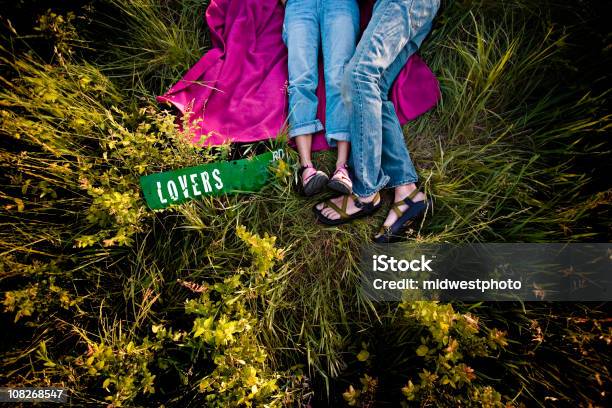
(308, 166)
(305, 181)
(396, 209)
(342, 169)
(341, 211)
(303, 168)
(360, 204)
(342, 174)
(407, 200)
(342, 177)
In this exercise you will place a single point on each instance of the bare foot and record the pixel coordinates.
(401, 192)
(351, 208)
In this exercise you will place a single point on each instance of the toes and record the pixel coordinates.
(320, 206)
(331, 214)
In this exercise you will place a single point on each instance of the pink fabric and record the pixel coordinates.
(237, 91)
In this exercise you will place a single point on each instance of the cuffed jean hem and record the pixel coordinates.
(306, 128)
(372, 191)
(334, 137)
(393, 184)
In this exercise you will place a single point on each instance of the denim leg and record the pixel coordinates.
(395, 31)
(339, 31)
(301, 34)
(396, 162)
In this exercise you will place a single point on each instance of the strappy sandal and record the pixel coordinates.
(410, 216)
(365, 209)
(315, 182)
(340, 181)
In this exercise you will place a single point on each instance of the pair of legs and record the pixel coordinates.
(310, 26)
(303, 144)
(379, 156)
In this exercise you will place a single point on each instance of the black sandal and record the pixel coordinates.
(313, 183)
(410, 216)
(365, 209)
(341, 181)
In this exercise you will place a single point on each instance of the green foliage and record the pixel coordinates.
(240, 376)
(39, 298)
(61, 30)
(449, 342)
(234, 366)
(43, 295)
(77, 140)
(123, 366)
(223, 332)
(452, 338)
(364, 397)
(262, 249)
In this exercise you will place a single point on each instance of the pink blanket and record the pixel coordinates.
(237, 91)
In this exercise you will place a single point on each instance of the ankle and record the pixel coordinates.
(367, 199)
(341, 164)
(404, 191)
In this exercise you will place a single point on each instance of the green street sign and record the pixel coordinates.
(214, 179)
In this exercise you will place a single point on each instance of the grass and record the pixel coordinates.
(85, 265)
(157, 41)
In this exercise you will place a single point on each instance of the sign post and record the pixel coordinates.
(213, 179)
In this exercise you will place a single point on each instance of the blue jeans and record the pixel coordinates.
(379, 156)
(333, 26)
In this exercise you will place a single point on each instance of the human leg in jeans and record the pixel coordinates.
(379, 156)
(339, 31)
(301, 33)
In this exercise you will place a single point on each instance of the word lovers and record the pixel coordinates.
(161, 190)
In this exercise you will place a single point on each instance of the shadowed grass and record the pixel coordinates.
(152, 43)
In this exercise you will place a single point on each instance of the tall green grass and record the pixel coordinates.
(151, 43)
(85, 264)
